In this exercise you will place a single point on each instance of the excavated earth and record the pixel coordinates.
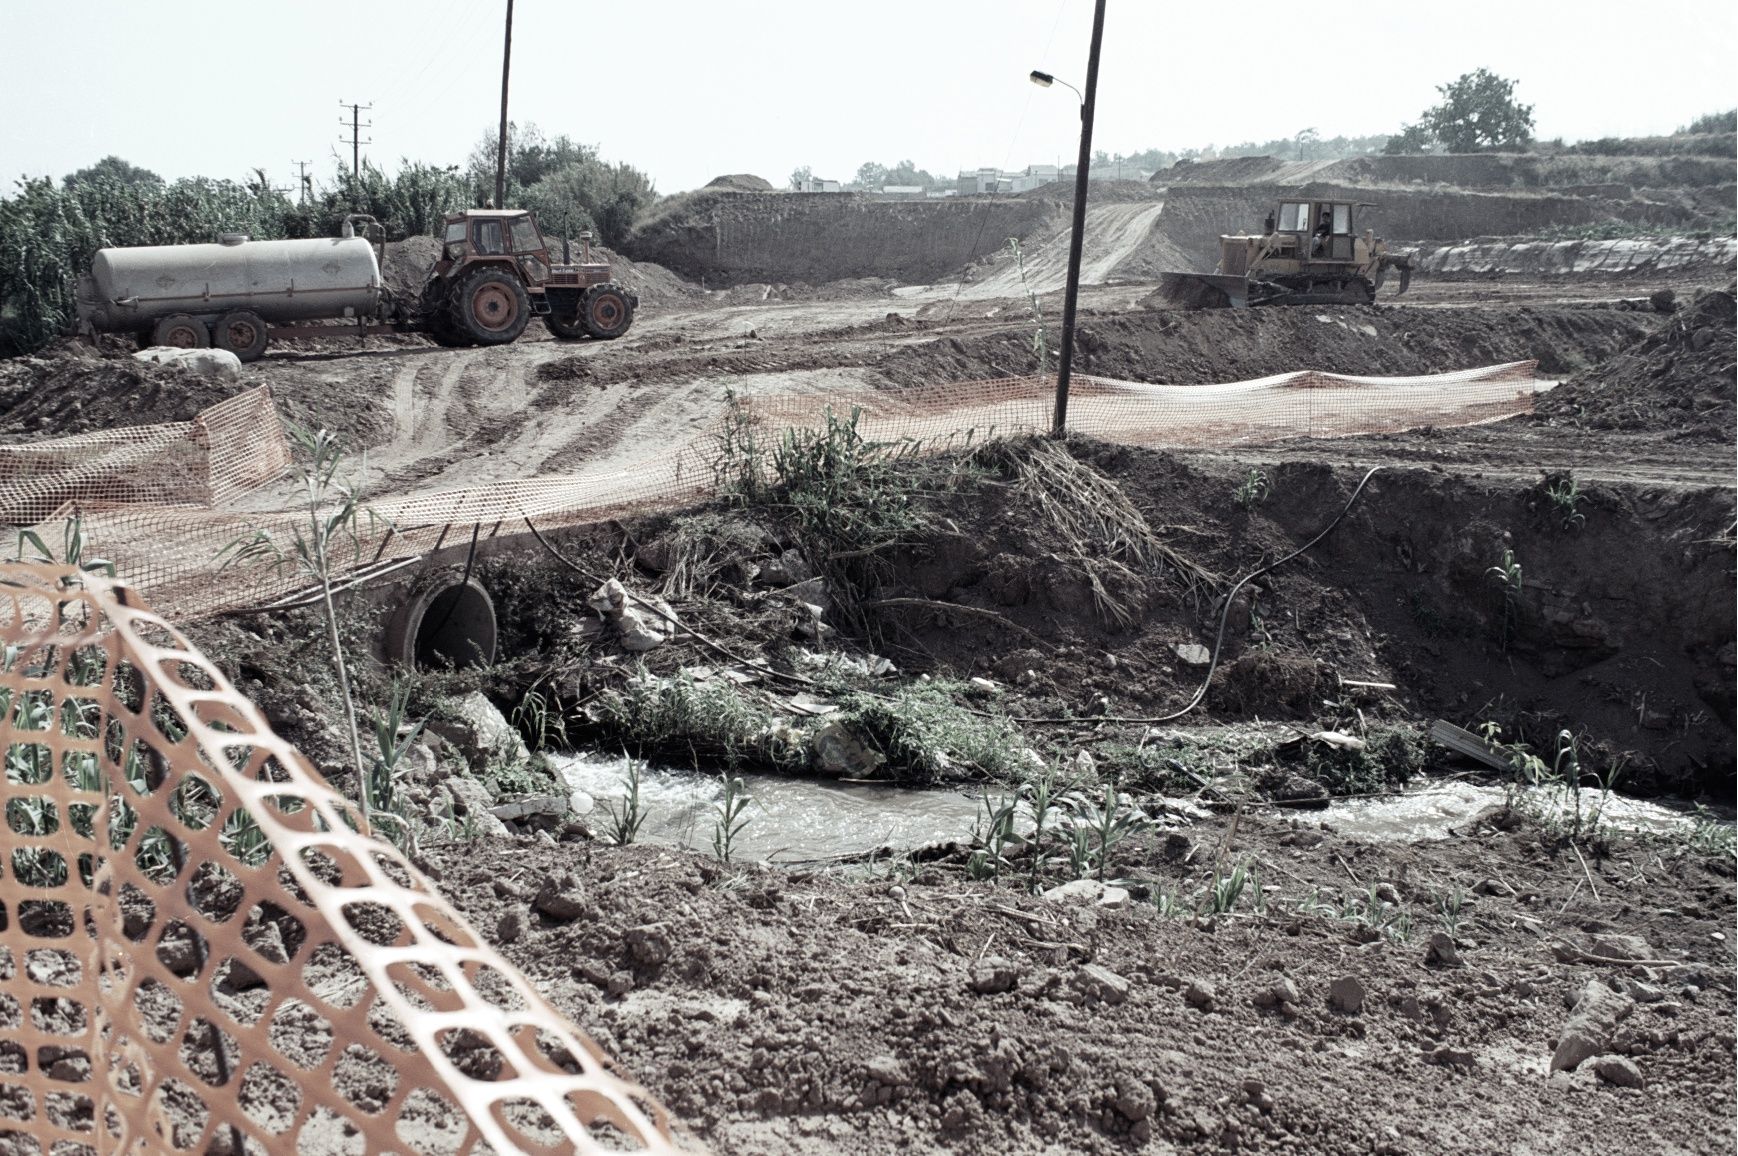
(902, 1004)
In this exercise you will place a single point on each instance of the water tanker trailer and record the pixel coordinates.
(494, 274)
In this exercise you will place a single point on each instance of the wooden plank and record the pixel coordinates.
(1464, 742)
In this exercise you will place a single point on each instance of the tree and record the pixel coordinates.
(801, 176)
(1304, 141)
(1478, 111)
(871, 175)
(1714, 122)
(113, 168)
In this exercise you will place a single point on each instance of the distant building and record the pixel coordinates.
(820, 185)
(902, 190)
(988, 181)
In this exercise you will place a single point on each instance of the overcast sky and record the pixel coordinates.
(689, 89)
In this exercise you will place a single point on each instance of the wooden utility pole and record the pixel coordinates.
(501, 146)
(355, 141)
(1072, 294)
(302, 182)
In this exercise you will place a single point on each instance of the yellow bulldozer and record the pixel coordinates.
(1310, 253)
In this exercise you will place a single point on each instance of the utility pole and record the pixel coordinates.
(355, 141)
(501, 145)
(1072, 293)
(302, 182)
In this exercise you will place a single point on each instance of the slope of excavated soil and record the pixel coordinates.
(71, 388)
(1185, 347)
(1681, 380)
(781, 1012)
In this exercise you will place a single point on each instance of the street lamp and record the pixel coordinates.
(1071, 294)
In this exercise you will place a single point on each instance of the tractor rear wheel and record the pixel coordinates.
(605, 312)
(181, 331)
(243, 333)
(490, 307)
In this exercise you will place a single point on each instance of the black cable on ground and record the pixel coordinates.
(1224, 614)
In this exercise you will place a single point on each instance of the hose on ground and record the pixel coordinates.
(1224, 615)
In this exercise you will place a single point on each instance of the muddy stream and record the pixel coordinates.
(792, 819)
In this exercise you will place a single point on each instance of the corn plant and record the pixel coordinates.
(625, 821)
(1448, 905)
(332, 507)
(1043, 796)
(1100, 827)
(728, 820)
(1224, 890)
(392, 741)
(1508, 572)
(1253, 490)
(1565, 495)
(989, 858)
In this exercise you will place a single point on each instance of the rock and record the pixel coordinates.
(580, 803)
(1114, 897)
(1100, 983)
(994, 974)
(1303, 837)
(1346, 995)
(560, 899)
(1134, 1098)
(1194, 653)
(1076, 891)
(1440, 951)
(1282, 993)
(1083, 766)
(1619, 1071)
(887, 1071)
(470, 804)
(1387, 893)
(1590, 1028)
(1177, 848)
(1491, 887)
(1451, 1057)
(511, 925)
(648, 945)
(211, 364)
(1201, 994)
(834, 750)
(620, 984)
(473, 724)
(1626, 947)
(531, 805)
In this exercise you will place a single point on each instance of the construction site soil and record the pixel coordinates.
(1380, 996)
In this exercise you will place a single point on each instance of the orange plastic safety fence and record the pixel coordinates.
(173, 554)
(201, 950)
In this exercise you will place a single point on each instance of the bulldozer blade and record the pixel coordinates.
(1405, 278)
(1204, 290)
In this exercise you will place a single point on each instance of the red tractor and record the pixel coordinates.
(494, 273)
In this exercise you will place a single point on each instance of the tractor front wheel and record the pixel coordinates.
(564, 320)
(605, 312)
(490, 307)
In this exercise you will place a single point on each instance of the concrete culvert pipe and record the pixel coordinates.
(449, 624)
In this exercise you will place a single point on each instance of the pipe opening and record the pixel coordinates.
(446, 626)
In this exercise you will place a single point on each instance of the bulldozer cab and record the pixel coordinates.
(507, 236)
(1324, 230)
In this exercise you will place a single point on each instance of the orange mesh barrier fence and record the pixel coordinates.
(173, 554)
(227, 450)
(200, 949)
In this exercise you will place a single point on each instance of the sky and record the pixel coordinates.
(689, 89)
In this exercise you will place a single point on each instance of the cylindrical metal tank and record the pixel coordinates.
(282, 281)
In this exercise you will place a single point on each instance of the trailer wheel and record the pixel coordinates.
(605, 312)
(490, 307)
(242, 333)
(181, 331)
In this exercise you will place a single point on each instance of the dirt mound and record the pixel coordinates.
(654, 283)
(1681, 380)
(72, 389)
(741, 183)
(1208, 346)
(407, 264)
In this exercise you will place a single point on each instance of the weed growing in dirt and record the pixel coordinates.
(679, 717)
(332, 507)
(1225, 889)
(1565, 496)
(991, 837)
(1253, 490)
(1448, 906)
(1392, 755)
(393, 736)
(1508, 572)
(1042, 794)
(1040, 343)
(1097, 828)
(1710, 836)
(539, 717)
(72, 549)
(924, 733)
(626, 820)
(727, 819)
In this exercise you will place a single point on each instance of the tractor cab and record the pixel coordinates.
(503, 236)
(1314, 230)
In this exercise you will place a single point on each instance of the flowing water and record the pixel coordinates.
(792, 819)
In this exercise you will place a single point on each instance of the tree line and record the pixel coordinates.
(51, 230)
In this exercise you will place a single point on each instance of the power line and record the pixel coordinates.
(355, 141)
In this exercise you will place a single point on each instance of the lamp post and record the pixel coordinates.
(1071, 294)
